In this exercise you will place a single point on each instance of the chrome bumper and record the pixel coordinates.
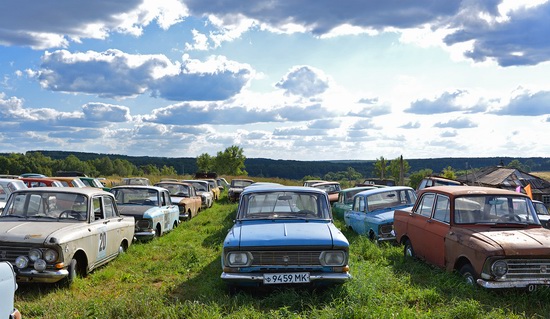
(259, 278)
(514, 283)
(47, 276)
(148, 234)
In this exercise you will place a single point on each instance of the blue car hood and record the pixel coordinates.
(386, 216)
(277, 233)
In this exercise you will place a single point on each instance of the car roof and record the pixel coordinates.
(352, 189)
(172, 183)
(140, 187)
(378, 190)
(89, 191)
(470, 190)
(269, 188)
(325, 183)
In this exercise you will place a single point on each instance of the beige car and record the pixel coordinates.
(214, 188)
(185, 196)
(53, 234)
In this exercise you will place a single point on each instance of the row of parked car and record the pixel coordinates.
(493, 237)
(52, 232)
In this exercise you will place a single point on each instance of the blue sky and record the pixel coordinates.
(298, 80)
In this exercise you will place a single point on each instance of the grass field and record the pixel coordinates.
(178, 276)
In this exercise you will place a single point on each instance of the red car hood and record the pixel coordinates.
(529, 241)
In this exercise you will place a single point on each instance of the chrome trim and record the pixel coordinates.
(259, 278)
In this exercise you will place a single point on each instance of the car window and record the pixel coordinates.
(426, 204)
(359, 204)
(442, 209)
(96, 206)
(494, 209)
(284, 204)
(47, 205)
(109, 206)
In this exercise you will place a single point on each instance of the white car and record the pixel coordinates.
(7, 291)
(203, 190)
(7, 186)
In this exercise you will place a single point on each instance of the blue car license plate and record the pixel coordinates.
(286, 278)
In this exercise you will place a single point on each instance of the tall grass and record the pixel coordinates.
(178, 276)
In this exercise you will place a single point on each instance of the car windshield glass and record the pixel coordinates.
(541, 209)
(494, 209)
(240, 184)
(176, 189)
(390, 199)
(47, 205)
(200, 187)
(329, 188)
(136, 196)
(284, 204)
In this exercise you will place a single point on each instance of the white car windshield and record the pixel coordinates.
(46, 205)
(136, 196)
(494, 209)
(284, 204)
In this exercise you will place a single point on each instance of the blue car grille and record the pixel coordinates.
(285, 258)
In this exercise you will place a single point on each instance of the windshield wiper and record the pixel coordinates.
(18, 216)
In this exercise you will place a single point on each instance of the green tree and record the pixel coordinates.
(168, 171)
(448, 172)
(380, 167)
(395, 168)
(518, 165)
(230, 161)
(205, 163)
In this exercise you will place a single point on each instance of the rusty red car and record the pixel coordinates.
(491, 236)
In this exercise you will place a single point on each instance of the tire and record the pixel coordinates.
(468, 273)
(158, 232)
(122, 248)
(68, 281)
(408, 250)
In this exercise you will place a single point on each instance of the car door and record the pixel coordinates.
(418, 218)
(356, 216)
(114, 223)
(170, 211)
(436, 229)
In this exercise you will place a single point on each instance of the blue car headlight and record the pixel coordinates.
(333, 258)
(238, 259)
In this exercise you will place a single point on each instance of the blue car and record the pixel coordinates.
(151, 207)
(372, 211)
(284, 235)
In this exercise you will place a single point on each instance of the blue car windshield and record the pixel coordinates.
(284, 205)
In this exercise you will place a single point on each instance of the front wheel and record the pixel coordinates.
(468, 273)
(408, 251)
(67, 281)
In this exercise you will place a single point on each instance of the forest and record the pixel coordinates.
(48, 162)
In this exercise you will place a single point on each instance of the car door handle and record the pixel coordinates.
(106, 222)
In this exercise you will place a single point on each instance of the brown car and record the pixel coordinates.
(491, 236)
(185, 196)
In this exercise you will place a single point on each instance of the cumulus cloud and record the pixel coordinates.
(458, 123)
(115, 74)
(50, 24)
(411, 125)
(371, 111)
(320, 17)
(443, 104)
(304, 81)
(217, 113)
(519, 39)
(106, 112)
(527, 104)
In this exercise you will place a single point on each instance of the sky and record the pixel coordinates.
(287, 79)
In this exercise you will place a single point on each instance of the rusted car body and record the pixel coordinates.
(236, 188)
(213, 188)
(185, 196)
(41, 182)
(491, 236)
(332, 189)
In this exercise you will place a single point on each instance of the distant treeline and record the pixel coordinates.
(290, 169)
